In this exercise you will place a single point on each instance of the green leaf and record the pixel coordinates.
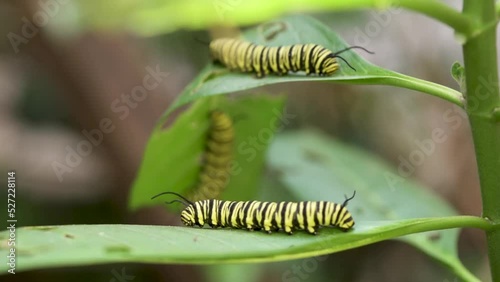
(215, 80)
(458, 73)
(77, 245)
(160, 16)
(150, 18)
(314, 167)
(172, 160)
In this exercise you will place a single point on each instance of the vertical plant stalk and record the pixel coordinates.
(480, 57)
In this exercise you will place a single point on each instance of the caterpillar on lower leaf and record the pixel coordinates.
(267, 216)
(244, 56)
(215, 174)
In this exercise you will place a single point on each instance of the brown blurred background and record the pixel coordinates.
(60, 83)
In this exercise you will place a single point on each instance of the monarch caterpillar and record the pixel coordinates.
(255, 215)
(219, 153)
(248, 57)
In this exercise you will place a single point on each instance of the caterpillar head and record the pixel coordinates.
(346, 222)
(329, 65)
(188, 216)
(220, 120)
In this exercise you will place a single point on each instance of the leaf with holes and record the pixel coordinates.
(77, 245)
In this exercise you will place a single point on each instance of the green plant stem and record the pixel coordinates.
(481, 71)
(441, 12)
(413, 83)
(461, 221)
